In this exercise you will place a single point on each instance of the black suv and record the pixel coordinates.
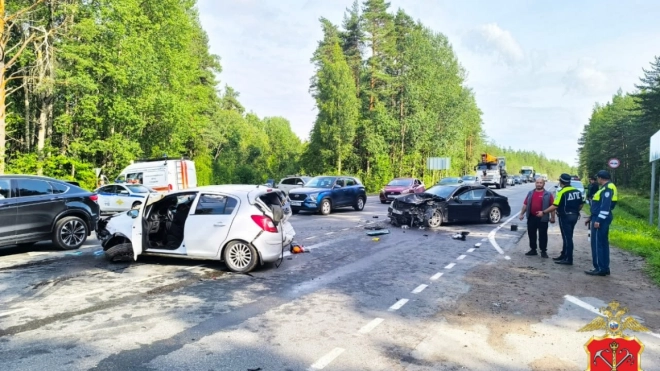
(34, 208)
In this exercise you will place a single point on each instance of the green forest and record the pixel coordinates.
(622, 129)
(87, 84)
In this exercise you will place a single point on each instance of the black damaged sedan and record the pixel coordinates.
(443, 204)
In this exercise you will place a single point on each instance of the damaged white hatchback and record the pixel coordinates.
(242, 225)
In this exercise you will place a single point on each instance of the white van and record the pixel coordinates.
(162, 175)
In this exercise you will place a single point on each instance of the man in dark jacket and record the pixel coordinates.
(537, 200)
(592, 188)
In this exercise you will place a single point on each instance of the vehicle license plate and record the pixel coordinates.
(296, 203)
(395, 211)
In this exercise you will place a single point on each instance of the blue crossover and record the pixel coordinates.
(325, 193)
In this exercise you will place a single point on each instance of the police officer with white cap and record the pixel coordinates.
(568, 204)
(602, 204)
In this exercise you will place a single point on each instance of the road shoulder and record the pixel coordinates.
(517, 312)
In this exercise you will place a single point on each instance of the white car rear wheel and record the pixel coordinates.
(240, 257)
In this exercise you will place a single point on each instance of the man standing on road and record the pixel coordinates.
(603, 202)
(592, 189)
(567, 205)
(537, 200)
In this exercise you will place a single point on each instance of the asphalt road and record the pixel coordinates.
(351, 303)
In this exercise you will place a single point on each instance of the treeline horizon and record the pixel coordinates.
(622, 129)
(98, 84)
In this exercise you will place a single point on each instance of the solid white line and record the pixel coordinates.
(595, 310)
(329, 233)
(148, 278)
(471, 250)
(461, 257)
(327, 359)
(9, 313)
(491, 235)
(436, 276)
(371, 325)
(398, 305)
(419, 288)
(450, 265)
(310, 238)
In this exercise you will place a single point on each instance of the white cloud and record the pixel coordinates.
(492, 39)
(586, 78)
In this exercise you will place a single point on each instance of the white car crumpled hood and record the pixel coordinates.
(120, 223)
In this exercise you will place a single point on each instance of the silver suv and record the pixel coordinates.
(292, 182)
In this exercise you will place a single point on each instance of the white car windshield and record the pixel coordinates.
(321, 182)
(138, 189)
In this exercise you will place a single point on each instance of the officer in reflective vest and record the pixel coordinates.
(602, 204)
(568, 204)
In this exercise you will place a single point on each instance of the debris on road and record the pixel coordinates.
(514, 227)
(374, 227)
(297, 248)
(375, 239)
(375, 216)
(460, 236)
(379, 232)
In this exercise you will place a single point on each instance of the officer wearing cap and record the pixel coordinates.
(602, 204)
(568, 204)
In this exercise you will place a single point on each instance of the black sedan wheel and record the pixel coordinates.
(70, 233)
(434, 220)
(494, 215)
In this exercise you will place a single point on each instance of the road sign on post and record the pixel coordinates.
(438, 163)
(97, 170)
(613, 163)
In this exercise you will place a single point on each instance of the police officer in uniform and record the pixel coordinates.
(602, 204)
(568, 204)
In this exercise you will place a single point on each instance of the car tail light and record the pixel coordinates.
(169, 186)
(94, 198)
(265, 223)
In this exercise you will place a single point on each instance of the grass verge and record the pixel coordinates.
(631, 231)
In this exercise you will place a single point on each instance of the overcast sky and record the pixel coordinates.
(537, 67)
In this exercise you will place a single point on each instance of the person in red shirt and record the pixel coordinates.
(538, 200)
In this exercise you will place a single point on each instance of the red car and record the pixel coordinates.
(400, 186)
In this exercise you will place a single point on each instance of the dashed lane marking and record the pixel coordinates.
(345, 229)
(329, 233)
(507, 257)
(327, 359)
(471, 250)
(310, 238)
(398, 305)
(450, 265)
(371, 325)
(461, 257)
(419, 288)
(436, 276)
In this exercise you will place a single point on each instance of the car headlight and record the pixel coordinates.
(313, 197)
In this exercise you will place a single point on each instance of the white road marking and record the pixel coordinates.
(148, 278)
(371, 325)
(345, 229)
(477, 244)
(398, 305)
(329, 233)
(358, 226)
(593, 309)
(419, 288)
(461, 257)
(471, 250)
(436, 276)
(194, 266)
(310, 238)
(37, 253)
(450, 265)
(327, 359)
(491, 235)
(484, 240)
(9, 313)
(507, 257)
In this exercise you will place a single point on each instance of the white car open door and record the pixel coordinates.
(138, 223)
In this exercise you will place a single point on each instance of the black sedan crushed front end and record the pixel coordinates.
(415, 210)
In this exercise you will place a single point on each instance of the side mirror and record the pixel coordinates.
(123, 193)
(133, 213)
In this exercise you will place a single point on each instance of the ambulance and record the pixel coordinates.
(162, 174)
